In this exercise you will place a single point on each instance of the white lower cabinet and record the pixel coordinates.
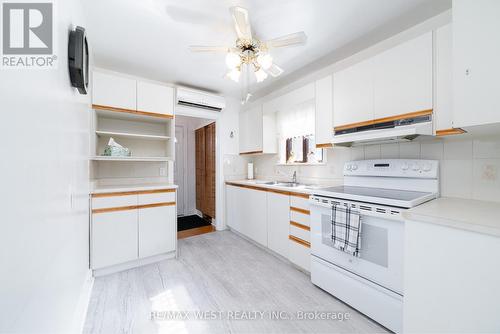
(131, 227)
(267, 218)
(156, 230)
(114, 238)
(278, 221)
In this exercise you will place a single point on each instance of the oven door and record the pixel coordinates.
(382, 240)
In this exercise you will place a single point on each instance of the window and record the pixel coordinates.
(296, 135)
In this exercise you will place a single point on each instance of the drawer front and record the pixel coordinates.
(156, 197)
(299, 255)
(300, 233)
(109, 201)
(299, 217)
(299, 202)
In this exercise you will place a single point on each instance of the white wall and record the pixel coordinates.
(44, 238)
(190, 124)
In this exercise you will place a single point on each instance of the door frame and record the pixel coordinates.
(184, 161)
(219, 163)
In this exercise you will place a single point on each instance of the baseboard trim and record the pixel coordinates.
(82, 306)
(132, 264)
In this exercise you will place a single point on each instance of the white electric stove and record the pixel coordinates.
(379, 191)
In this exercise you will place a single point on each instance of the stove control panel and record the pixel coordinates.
(411, 168)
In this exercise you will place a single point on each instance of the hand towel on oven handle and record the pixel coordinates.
(346, 229)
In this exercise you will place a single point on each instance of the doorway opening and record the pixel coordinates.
(194, 173)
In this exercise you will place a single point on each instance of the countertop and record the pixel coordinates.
(99, 189)
(259, 184)
(466, 214)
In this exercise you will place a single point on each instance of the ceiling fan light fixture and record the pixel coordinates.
(233, 60)
(265, 60)
(260, 75)
(234, 74)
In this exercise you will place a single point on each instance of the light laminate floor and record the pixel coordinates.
(218, 272)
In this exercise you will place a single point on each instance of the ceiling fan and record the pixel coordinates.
(249, 51)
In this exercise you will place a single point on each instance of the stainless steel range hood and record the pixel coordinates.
(389, 132)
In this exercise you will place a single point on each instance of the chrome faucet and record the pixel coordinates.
(294, 177)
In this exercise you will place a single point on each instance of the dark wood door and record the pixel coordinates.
(200, 168)
(205, 170)
(210, 170)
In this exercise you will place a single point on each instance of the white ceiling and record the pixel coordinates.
(150, 38)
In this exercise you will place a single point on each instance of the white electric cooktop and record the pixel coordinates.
(390, 197)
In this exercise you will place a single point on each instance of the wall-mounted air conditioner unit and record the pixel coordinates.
(198, 99)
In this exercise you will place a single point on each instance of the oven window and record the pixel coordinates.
(374, 241)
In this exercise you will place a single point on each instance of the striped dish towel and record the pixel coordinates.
(346, 229)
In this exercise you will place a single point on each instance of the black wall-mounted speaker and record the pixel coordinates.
(78, 60)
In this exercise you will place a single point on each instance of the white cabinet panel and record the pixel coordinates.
(278, 220)
(299, 255)
(157, 230)
(324, 110)
(155, 98)
(353, 94)
(476, 66)
(443, 116)
(113, 91)
(114, 238)
(402, 78)
(113, 201)
(234, 196)
(254, 215)
(161, 197)
(254, 130)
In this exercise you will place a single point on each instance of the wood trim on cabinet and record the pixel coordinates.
(326, 145)
(299, 241)
(119, 208)
(132, 207)
(304, 227)
(301, 195)
(155, 205)
(130, 111)
(306, 212)
(251, 152)
(448, 132)
(278, 191)
(384, 119)
(135, 192)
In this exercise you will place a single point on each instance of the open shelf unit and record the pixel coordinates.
(148, 138)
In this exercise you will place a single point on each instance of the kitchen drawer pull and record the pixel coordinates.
(132, 207)
(304, 227)
(306, 212)
(135, 192)
(299, 241)
(154, 205)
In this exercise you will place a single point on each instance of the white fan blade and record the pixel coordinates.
(201, 48)
(275, 70)
(241, 22)
(298, 38)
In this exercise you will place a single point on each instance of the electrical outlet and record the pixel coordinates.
(162, 171)
(489, 173)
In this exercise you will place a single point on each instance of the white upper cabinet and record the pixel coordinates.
(443, 116)
(324, 110)
(113, 91)
(257, 131)
(353, 94)
(402, 78)
(476, 69)
(155, 98)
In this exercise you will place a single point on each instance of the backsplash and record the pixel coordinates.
(470, 167)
